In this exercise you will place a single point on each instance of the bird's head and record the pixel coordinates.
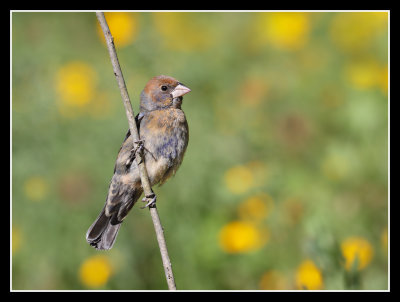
(162, 92)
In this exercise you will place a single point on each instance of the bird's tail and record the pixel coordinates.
(103, 232)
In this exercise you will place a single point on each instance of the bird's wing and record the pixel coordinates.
(117, 187)
(138, 119)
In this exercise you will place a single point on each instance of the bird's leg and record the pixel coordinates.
(151, 200)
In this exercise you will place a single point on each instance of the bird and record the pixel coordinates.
(164, 137)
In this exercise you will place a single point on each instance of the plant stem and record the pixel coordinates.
(139, 155)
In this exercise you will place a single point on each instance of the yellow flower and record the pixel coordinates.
(256, 207)
(242, 237)
(383, 79)
(308, 276)
(273, 280)
(353, 32)
(36, 188)
(384, 239)
(123, 27)
(285, 30)
(184, 31)
(356, 250)
(367, 74)
(239, 179)
(76, 84)
(95, 271)
(16, 239)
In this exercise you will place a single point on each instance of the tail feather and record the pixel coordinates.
(104, 230)
(102, 233)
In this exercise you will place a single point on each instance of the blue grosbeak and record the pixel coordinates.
(164, 135)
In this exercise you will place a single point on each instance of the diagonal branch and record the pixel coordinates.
(139, 154)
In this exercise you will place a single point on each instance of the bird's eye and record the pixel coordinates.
(164, 88)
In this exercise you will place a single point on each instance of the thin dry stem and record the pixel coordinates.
(139, 155)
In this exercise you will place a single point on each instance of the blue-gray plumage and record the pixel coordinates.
(164, 131)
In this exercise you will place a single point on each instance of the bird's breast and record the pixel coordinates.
(165, 133)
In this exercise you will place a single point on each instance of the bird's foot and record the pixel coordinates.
(139, 146)
(151, 201)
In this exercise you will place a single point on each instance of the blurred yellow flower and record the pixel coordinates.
(285, 30)
(308, 276)
(356, 251)
(242, 237)
(367, 74)
(36, 188)
(353, 32)
(184, 31)
(273, 280)
(239, 179)
(123, 27)
(383, 79)
(16, 239)
(335, 167)
(95, 271)
(76, 84)
(256, 207)
(362, 75)
(384, 239)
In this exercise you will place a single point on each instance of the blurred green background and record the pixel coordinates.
(284, 184)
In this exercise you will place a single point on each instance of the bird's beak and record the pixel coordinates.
(180, 90)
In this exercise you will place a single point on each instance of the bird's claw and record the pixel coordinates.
(151, 201)
(139, 147)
